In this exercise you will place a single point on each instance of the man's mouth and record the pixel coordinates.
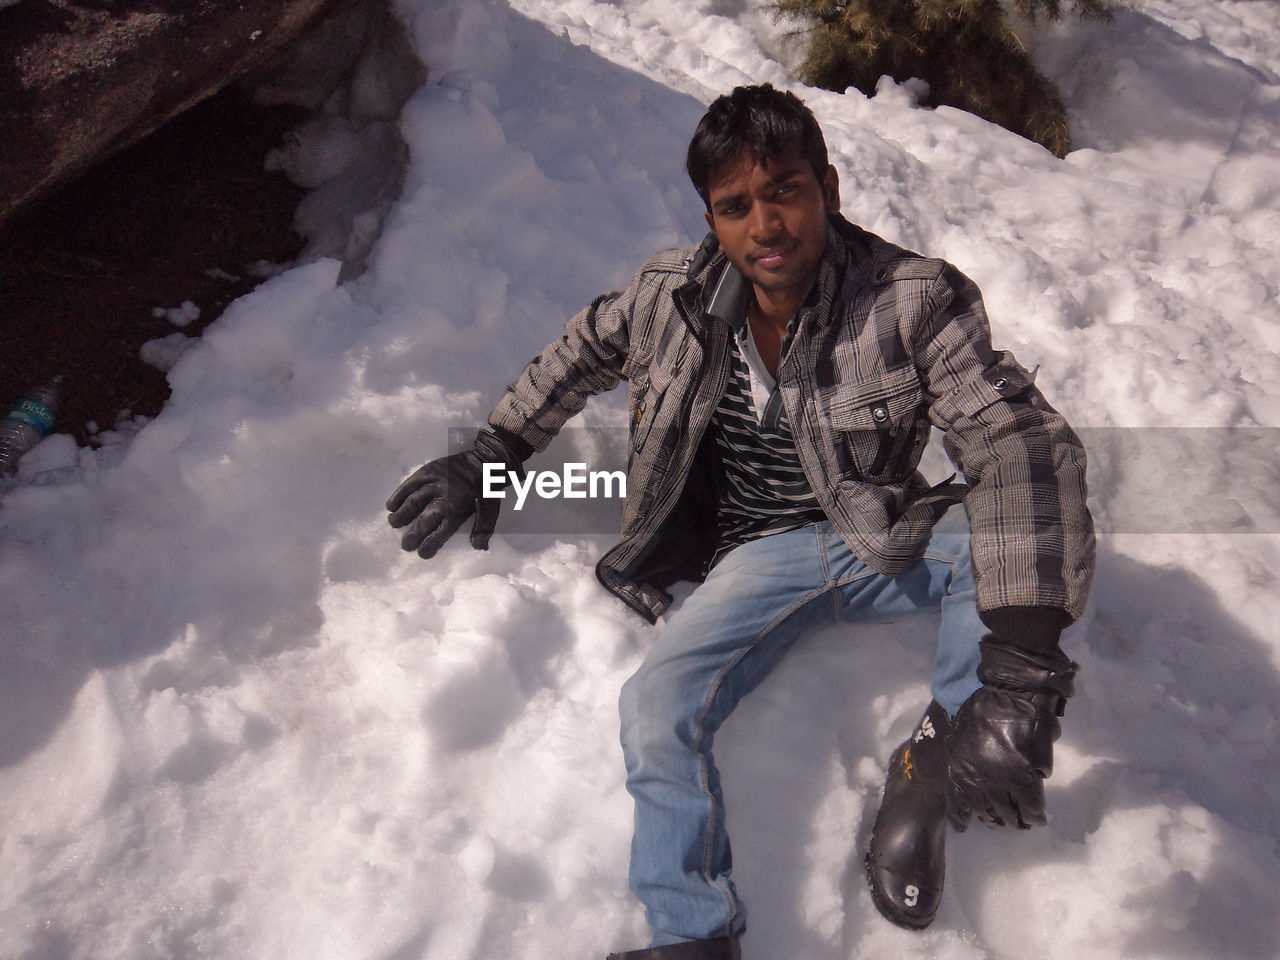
(772, 257)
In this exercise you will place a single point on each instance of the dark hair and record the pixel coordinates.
(760, 119)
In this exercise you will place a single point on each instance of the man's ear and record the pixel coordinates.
(831, 189)
(711, 224)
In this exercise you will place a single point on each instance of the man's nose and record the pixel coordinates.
(766, 222)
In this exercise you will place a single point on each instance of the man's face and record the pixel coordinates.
(772, 221)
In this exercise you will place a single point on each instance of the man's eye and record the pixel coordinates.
(784, 189)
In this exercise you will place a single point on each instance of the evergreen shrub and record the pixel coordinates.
(964, 49)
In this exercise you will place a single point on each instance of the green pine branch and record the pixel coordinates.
(964, 49)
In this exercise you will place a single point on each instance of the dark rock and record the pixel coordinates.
(81, 79)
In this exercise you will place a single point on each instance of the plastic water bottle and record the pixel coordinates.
(28, 422)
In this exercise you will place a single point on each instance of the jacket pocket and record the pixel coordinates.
(875, 425)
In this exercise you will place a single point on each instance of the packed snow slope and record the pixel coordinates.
(237, 722)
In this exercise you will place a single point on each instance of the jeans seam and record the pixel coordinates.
(825, 565)
(822, 554)
(700, 732)
(865, 574)
(704, 782)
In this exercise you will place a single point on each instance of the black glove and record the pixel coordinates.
(1001, 747)
(435, 500)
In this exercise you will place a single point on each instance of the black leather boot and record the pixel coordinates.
(722, 948)
(907, 858)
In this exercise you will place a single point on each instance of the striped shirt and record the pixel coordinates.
(763, 487)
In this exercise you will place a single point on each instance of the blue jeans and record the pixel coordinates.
(730, 633)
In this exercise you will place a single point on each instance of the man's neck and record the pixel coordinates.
(774, 309)
(768, 320)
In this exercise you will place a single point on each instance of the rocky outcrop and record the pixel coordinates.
(80, 79)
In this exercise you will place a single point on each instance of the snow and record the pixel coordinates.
(236, 721)
(180, 316)
(163, 352)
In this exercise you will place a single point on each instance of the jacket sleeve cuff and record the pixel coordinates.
(1033, 629)
(516, 451)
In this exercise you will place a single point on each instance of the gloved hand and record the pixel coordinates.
(435, 500)
(1001, 747)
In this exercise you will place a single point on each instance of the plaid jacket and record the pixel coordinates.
(889, 344)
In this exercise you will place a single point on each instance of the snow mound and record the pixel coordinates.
(227, 699)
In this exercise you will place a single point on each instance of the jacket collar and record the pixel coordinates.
(704, 266)
(730, 298)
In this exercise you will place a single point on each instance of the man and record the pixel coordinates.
(783, 378)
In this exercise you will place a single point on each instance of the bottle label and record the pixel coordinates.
(33, 413)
